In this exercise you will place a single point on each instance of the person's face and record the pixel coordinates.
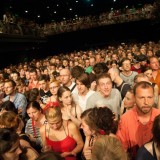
(148, 73)
(65, 63)
(55, 123)
(13, 153)
(8, 88)
(87, 63)
(144, 99)
(33, 113)
(53, 88)
(82, 89)
(105, 86)
(15, 77)
(66, 98)
(43, 84)
(129, 100)
(65, 77)
(86, 129)
(33, 75)
(126, 65)
(154, 64)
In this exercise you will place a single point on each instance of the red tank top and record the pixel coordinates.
(65, 145)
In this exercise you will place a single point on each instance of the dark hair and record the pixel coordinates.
(61, 90)
(100, 68)
(76, 71)
(101, 118)
(156, 130)
(8, 138)
(33, 94)
(84, 79)
(35, 105)
(50, 155)
(8, 106)
(123, 60)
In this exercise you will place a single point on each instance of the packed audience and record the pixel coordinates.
(11, 24)
(76, 105)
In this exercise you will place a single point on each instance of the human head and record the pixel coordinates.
(33, 95)
(9, 145)
(53, 115)
(8, 106)
(129, 100)
(50, 155)
(65, 77)
(148, 72)
(9, 87)
(53, 86)
(95, 120)
(43, 82)
(144, 97)
(11, 120)
(34, 110)
(113, 72)
(140, 77)
(108, 148)
(154, 63)
(64, 95)
(126, 64)
(104, 84)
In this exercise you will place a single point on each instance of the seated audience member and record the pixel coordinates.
(10, 120)
(95, 123)
(70, 110)
(36, 120)
(83, 85)
(62, 136)
(108, 148)
(49, 155)
(151, 150)
(128, 101)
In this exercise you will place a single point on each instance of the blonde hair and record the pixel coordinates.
(53, 112)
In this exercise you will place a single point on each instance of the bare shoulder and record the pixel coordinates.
(148, 146)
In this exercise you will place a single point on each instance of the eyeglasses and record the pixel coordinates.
(53, 87)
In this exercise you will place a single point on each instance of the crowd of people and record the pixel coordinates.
(20, 26)
(80, 104)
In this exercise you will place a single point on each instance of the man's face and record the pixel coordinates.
(144, 99)
(65, 76)
(8, 88)
(82, 89)
(105, 86)
(154, 64)
(126, 65)
(43, 84)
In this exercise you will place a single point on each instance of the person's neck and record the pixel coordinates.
(127, 72)
(144, 118)
(84, 93)
(68, 84)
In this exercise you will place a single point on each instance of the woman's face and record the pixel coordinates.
(129, 100)
(33, 113)
(13, 153)
(86, 129)
(55, 123)
(66, 98)
(148, 73)
(53, 88)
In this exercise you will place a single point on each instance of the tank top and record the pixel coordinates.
(65, 145)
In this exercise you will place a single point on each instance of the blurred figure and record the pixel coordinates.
(108, 148)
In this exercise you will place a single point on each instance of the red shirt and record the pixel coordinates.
(132, 133)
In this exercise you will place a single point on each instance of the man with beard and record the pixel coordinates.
(135, 126)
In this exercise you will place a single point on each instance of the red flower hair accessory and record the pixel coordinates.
(51, 105)
(102, 132)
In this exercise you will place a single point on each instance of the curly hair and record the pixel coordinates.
(101, 118)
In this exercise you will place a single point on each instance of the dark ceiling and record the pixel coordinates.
(42, 11)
